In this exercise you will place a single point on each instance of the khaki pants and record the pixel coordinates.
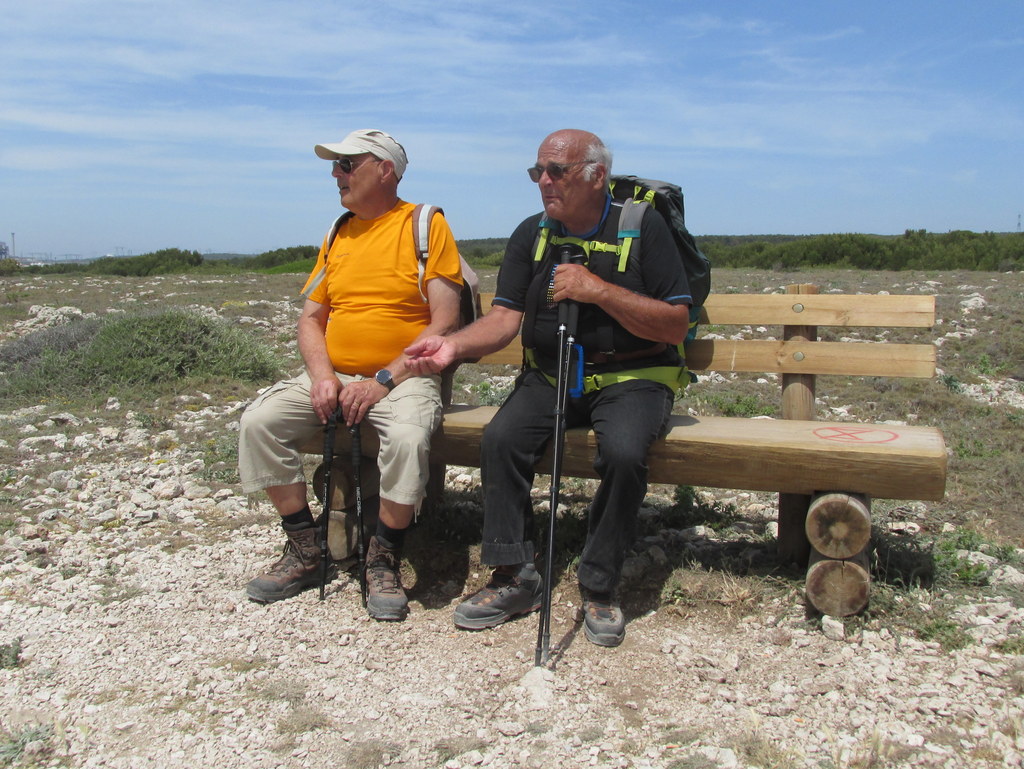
(280, 423)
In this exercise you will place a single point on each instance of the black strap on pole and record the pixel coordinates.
(357, 461)
(325, 518)
(568, 313)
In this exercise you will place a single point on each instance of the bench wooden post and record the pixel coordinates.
(798, 392)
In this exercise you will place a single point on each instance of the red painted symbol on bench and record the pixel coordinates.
(856, 434)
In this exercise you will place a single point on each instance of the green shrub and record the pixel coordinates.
(10, 654)
(132, 351)
(13, 744)
(740, 405)
(946, 632)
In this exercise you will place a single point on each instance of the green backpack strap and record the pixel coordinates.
(629, 228)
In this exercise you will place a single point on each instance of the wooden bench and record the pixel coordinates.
(826, 473)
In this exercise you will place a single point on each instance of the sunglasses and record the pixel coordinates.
(346, 166)
(555, 171)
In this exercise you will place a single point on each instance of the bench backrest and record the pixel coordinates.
(796, 350)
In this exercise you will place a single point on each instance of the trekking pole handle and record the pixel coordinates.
(568, 310)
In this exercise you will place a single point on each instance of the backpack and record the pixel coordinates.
(469, 297)
(637, 195)
(667, 199)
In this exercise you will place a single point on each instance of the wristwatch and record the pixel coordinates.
(384, 377)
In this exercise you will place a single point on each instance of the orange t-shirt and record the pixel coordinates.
(371, 282)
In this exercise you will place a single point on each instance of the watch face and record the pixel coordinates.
(384, 377)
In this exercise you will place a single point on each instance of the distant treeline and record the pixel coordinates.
(171, 261)
(914, 250)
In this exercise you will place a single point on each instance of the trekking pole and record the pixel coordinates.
(325, 519)
(568, 313)
(357, 460)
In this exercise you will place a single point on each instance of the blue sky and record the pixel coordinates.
(128, 126)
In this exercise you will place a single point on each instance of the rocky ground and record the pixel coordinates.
(127, 641)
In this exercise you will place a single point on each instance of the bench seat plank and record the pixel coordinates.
(791, 456)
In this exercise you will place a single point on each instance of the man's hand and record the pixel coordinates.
(324, 396)
(576, 282)
(357, 398)
(430, 355)
(641, 316)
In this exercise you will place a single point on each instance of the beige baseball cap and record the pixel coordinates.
(377, 143)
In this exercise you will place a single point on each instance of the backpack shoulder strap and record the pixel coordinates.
(322, 272)
(470, 308)
(629, 228)
(421, 217)
(541, 241)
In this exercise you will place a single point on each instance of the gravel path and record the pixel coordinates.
(138, 648)
(127, 641)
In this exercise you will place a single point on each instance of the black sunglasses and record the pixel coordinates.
(346, 166)
(555, 171)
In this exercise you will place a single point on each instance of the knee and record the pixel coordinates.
(622, 459)
(254, 425)
(248, 425)
(495, 442)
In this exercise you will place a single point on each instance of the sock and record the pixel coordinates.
(389, 538)
(300, 520)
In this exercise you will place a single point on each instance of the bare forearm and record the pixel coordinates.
(495, 330)
(643, 316)
(313, 348)
(489, 334)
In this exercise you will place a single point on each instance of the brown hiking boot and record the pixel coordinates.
(385, 598)
(511, 591)
(297, 569)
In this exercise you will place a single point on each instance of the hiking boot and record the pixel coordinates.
(511, 591)
(385, 598)
(603, 621)
(297, 569)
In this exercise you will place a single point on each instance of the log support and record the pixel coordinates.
(838, 588)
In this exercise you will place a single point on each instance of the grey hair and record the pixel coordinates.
(597, 153)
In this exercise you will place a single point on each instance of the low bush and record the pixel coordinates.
(121, 353)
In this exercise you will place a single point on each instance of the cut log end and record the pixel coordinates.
(838, 588)
(839, 525)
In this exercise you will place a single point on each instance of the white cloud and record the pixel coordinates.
(219, 102)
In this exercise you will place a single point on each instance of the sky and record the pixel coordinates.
(129, 126)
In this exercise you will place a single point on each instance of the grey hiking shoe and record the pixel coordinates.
(511, 591)
(603, 621)
(297, 569)
(385, 598)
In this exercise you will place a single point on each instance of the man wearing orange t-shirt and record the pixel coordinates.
(365, 303)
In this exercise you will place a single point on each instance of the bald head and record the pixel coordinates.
(572, 174)
(581, 145)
